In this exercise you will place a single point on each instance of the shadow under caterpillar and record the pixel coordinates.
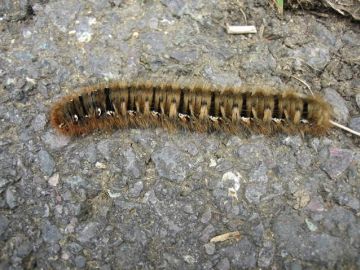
(192, 107)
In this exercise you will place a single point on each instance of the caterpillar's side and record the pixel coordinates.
(192, 107)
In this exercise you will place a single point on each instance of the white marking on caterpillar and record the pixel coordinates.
(246, 120)
(183, 116)
(277, 120)
(215, 119)
(131, 113)
(76, 118)
(155, 113)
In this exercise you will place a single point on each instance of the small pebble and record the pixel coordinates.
(80, 261)
(10, 197)
(209, 248)
(338, 161)
(136, 190)
(46, 162)
(338, 104)
(100, 165)
(4, 222)
(189, 259)
(355, 124)
(54, 180)
(311, 226)
(206, 216)
(357, 98)
(224, 264)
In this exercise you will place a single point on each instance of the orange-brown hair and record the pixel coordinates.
(191, 107)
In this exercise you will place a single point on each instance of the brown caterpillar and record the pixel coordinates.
(192, 107)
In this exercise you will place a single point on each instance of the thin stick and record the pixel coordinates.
(261, 31)
(345, 128)
(241, 29)
(243, 13)
(305, 83)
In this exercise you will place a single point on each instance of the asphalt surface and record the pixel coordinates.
(150, 199)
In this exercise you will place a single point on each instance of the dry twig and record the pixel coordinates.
(226, 236)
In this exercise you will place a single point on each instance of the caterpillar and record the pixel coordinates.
(194, 107)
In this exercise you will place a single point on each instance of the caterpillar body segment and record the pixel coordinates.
(192, 107)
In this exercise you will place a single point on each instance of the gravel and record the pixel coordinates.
(50, 233)
(338, 104)
(131, 164)
(314, 55)
(355, 124)
(4, 223)
(46, 162)
(150, 199)
(170, 163)
(89, 231)
(357, 98)
(339, 160)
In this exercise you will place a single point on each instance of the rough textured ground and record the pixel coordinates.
(147, 199)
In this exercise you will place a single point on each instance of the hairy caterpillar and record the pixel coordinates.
(192, 107)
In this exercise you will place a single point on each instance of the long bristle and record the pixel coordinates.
(194, 107)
